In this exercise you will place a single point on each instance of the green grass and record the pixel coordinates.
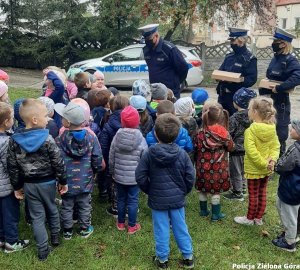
(216, 245)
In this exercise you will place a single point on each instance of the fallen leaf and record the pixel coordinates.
(265, 233)
(237, 247)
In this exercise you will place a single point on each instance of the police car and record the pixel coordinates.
(123, 67)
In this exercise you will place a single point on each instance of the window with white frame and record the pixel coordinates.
(283, 23)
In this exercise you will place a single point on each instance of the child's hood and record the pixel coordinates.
(164, 154)
(264, 132)
(128, 139)
(75, 142)
(215, 136)
(243, 118)
(30, 140)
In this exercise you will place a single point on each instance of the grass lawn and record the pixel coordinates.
(217, 245)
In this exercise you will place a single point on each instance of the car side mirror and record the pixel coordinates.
(110, 60)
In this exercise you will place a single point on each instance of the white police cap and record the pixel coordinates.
(149, 29)
(282, 34)
(237, 32)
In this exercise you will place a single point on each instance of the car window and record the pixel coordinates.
(125, 55)
(193, 51)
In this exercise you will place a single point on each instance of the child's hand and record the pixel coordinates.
(62, 189)
(271, 165)
(19, 194)
(45, 71)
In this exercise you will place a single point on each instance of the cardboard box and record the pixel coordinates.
(227, 76)
(266, 83)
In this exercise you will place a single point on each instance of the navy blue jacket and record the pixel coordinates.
(183, 139)
(166, 173)
(109, 131)
(166, 65)
(243, 62)
(288, 167)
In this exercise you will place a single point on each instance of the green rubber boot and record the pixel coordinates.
(216, 212)
(204, 212)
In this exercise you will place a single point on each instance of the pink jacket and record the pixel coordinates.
(71, 89)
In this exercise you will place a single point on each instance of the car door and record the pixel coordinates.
(124, 67)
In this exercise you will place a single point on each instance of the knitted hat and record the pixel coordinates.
(3, 76)
(73, 112)
(138, 102)
(140, 87)
(49, 104)
(130, 117)
(296, 125)
(199, 96)
(72, 72)
(184, 107)
(159, 91)
(17, 116)
(243, 96)
(113, 90)
(3, 88)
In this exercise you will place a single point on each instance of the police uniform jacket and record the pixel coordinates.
(166, 65)
(243, 62)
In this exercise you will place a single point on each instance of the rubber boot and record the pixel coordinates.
(204, 212)
(216, 212)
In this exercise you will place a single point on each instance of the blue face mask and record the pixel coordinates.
(236, 48)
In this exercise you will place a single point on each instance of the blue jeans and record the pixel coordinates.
(128, 195)
(161, 225)
(9, 219)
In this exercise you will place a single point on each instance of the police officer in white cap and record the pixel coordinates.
(241, 60)
(284, 67)
(165, 62)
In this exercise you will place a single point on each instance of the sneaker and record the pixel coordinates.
(160, 264)
(187, 263)
(67, 234)
(282, 244)
(134, 229)
(282, 235)
(55, 240)
(19, 245)
(121, 226)
(258, 221)
(85, 233)
(112, 211)
(234, 196)
(43, 255)
(243, 220)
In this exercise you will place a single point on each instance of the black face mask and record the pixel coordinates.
(275, 47)
(149, 43)
(236, 48)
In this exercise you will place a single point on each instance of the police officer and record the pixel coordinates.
(284, 67)
(241, 60)
(165, 62)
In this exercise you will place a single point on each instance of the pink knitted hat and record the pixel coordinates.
(3, 76)
(3, 88)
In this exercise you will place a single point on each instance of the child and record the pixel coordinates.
(35, 163)
(100, 80)
(9, 204)
(82, 154)
(199, 96)
(98, 101)
(261, 152)
(4, 76)
(183, 140)
(140, 104)
(51, 125)
(238, 123)
(185, 111)
(165, 172)
(212, 144)
(141, 88)
(105, 138)
(288, 201)
(3, 92)
(124, 155)
(159, 92)
(83, 84)
(170, 96)
(71, 86)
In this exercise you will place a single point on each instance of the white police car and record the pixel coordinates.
(123, 67)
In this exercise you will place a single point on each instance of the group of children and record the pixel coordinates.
(150, 142)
